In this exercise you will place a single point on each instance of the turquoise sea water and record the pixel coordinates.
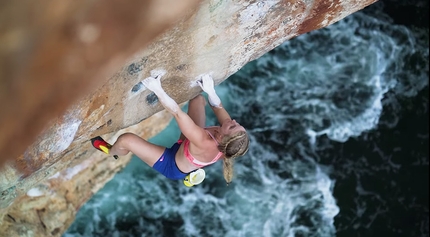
(339, 146)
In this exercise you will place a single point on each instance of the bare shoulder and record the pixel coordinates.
(204, 143)
(204, 150)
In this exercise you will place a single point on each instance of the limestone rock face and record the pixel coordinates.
(75, 72)
(49, 208)
(53, 53)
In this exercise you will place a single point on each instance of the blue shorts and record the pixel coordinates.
(166, 165)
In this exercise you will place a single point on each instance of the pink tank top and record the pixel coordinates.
(196, 162)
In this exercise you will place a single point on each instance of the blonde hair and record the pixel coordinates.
(233, 146)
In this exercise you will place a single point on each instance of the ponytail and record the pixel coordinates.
(233, 146)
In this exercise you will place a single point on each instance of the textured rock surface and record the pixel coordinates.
(219, 38)
(54, 52)
(49, 208)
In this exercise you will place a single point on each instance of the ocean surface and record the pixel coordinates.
(338, 120)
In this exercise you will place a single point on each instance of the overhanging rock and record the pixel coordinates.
(219, 38)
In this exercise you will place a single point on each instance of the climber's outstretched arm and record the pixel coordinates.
(207, 84)
(191, 130)
(154, 84)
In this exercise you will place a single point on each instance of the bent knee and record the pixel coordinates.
(126, 138)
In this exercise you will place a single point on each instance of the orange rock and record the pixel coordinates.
(71, 71)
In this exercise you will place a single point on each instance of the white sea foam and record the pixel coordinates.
(329, 82)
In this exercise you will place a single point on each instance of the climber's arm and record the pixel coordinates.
(192, 131)
(207, 84)
(220, 113)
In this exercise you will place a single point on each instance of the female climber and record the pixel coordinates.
(198, 146)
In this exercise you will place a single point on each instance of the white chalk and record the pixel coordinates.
(34, 192)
